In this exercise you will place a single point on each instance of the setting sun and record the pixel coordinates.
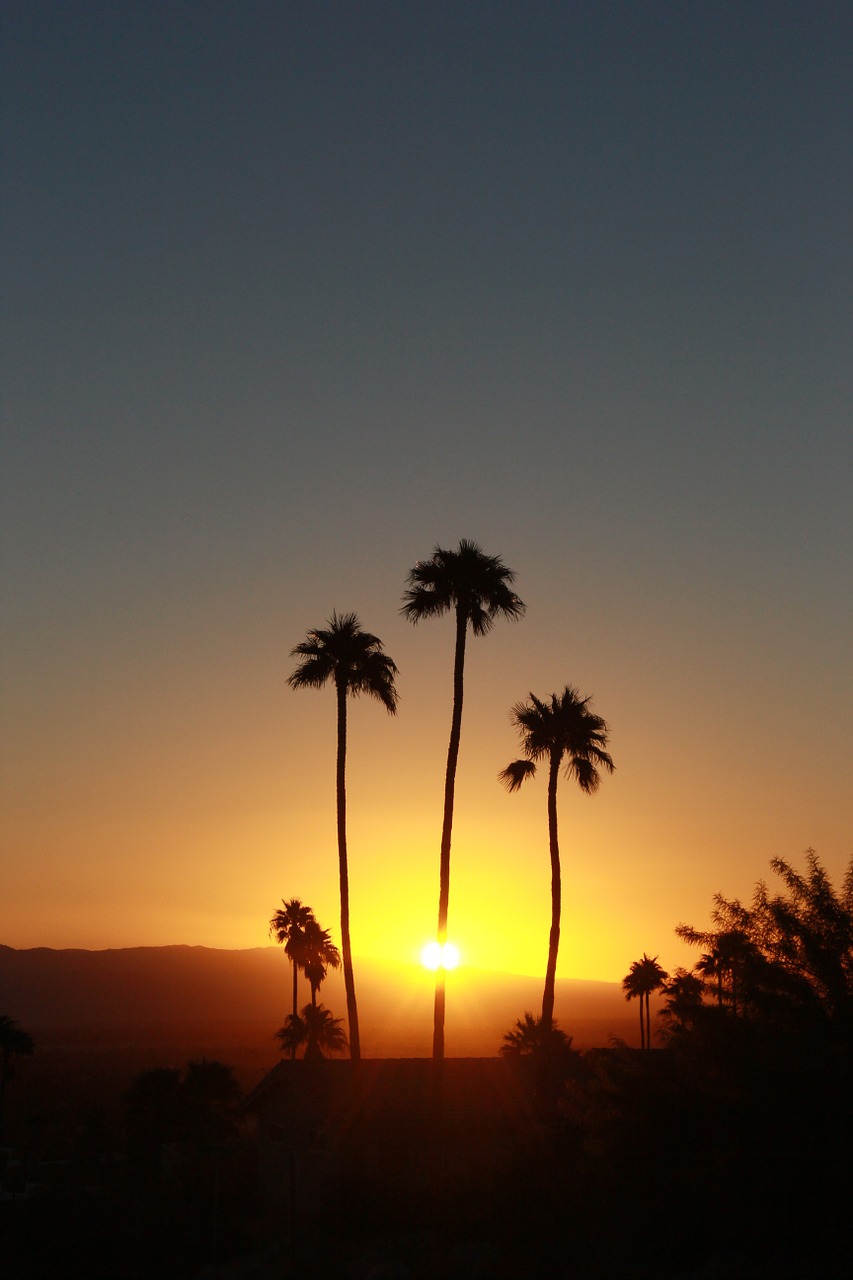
(435, 956)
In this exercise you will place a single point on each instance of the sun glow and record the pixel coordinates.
(435, 956)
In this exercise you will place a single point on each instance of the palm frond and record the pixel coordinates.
(516, 773)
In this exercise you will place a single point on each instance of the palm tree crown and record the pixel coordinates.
(562, 730)
(466, 580)
(319, 955)
(354, 661)
(478, 589)
(644, 977)
(316, 1028)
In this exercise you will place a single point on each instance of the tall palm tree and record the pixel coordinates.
(477, 589)
(288, 925)
(644, 977)
(319, 955)
(560, 730)
(353, 660)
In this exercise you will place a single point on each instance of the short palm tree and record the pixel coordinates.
(315, 1028)
(644, 977)
(353, 660)
(477, 589)
(530, 1036)
(562, 731)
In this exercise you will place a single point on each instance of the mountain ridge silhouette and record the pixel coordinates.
(182, 985)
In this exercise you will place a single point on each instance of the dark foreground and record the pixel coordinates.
(731, 1162)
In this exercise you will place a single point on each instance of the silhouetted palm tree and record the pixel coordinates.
(288, 926)
(563, 729)
(14, 1043)
(729, 954)
(683, 1004)
(319, 955)
(354, 662)
(315, 1028)
(477, 589)
(644, 977)
(633, 988)
(531, 1036)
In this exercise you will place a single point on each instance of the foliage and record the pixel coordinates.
(530, 1036)
(164, 1105)
(348, 657)
(785, 960)
(562, 728)
(316, 1029)
(319, 954)
(476, 586)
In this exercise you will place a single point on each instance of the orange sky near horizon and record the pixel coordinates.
(218, 808)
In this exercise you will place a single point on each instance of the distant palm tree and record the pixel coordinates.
(315, 1028)
(319, 955)
(644, 977)
(633, 988)
(683, 1005)
(531, 1036)
(729, 954)
(288, 925)
(354, 662)
(477, 589)
(560, 730)
(14, 1043)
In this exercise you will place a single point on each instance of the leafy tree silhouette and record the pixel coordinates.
(560, 730)
(164, 1105)
(786, 959)
(644, 977)
(477, 589)
(14, 1043)
(353, 660)
(683, 1000)
(316, 1029)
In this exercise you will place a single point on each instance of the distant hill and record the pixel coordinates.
(148, 993)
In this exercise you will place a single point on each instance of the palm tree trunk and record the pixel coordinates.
(556, 896)
(648, 1023)
(642, 1025)
(295, 977)
(346, 947)
(446, 830)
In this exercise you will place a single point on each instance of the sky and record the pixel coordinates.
(293, 293)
